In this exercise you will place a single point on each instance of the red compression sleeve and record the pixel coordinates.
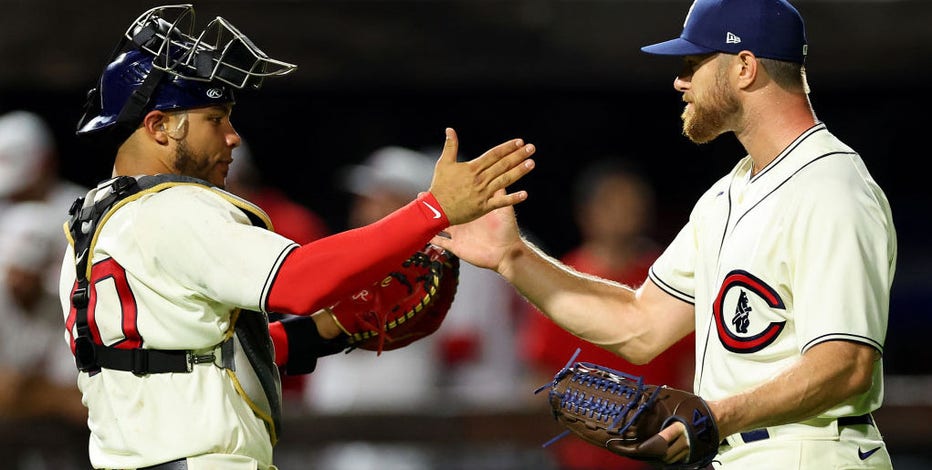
(315, 275)
(279, 341)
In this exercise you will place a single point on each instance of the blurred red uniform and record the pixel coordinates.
(614, 247)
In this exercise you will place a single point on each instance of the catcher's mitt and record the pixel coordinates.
(619, 412)
(408, 304)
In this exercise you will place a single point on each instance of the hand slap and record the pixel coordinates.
(467, 190)
(483, 242)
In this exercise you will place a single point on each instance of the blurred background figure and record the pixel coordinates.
(614, 212)
(37, 372)
(470, 363)
(29, 165)
(289, 218)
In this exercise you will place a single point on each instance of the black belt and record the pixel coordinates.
(180, 464)
(761, 434)
(143, 361)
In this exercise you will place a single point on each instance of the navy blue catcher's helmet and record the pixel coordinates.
(128, 72)
(160, 64)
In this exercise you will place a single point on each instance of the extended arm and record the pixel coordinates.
(314, 275)
(636, 325)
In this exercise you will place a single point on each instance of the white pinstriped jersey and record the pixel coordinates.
(800, 253)
(169, 268)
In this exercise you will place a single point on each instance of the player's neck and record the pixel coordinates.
(134, 158)
(768, 129)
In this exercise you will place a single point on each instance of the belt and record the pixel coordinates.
(180, 464)
(761, 434)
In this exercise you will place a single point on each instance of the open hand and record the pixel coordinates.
(486, 241)
(467, 190)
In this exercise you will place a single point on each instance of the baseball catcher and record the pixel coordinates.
(168, 280)
(624, 415)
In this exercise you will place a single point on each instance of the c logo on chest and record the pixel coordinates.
(733, 331)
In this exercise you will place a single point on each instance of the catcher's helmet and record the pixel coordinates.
(161, 64)
(128, 72)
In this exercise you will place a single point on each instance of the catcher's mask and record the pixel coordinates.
(160, 63)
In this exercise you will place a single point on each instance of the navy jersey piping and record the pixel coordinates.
(843, 336)
(789, 149)
(670, 289)
(273, 275)
(785, 181)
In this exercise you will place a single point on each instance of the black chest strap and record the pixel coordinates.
(82, 226)
(257, 376)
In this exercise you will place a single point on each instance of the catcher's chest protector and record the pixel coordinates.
(246, 354)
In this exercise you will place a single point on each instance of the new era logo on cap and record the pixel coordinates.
(769, 28)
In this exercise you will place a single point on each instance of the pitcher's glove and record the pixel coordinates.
(406, 305)
(619, 412)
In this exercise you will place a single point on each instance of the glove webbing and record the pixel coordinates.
(602, 410)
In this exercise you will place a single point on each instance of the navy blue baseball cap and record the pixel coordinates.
(772, 29)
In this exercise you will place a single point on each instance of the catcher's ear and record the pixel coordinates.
(154, 124)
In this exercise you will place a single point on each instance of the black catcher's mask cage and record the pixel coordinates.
(218, 53)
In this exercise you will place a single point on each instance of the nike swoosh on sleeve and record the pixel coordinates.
(865, 455)
(432, 209)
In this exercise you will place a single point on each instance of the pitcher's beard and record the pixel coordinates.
(702, 123)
